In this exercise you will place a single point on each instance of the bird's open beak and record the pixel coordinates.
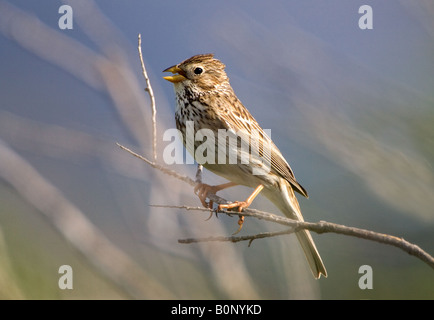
(177, 74)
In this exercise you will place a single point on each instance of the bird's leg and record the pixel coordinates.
(202, 190)
(242, 205)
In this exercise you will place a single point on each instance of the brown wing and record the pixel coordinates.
(239, 118)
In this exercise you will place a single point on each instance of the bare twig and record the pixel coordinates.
(239, 238)
(151, 96)
(318, 227)
(160, 167)
(172, 173)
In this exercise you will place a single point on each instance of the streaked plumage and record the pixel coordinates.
(205, 96)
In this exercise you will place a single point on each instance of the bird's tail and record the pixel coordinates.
(288, 204)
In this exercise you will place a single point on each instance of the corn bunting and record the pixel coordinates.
(206, 105)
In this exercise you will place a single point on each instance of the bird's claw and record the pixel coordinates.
(240, 223)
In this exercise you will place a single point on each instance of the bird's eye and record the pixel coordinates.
(198, 70)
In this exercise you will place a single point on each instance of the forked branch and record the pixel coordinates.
(318, 227)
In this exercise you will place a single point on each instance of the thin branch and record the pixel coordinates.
(318, 227)
(239, 238)
(160, 167)
(151, 96)
(215, 198)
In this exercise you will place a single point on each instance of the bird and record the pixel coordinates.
(207, 104)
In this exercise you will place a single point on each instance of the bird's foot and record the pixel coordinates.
(241, 205)
(237, 204)
(203, 190)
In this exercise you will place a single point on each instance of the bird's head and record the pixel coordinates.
(202, 71)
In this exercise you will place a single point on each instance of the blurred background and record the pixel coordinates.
(352, 110)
